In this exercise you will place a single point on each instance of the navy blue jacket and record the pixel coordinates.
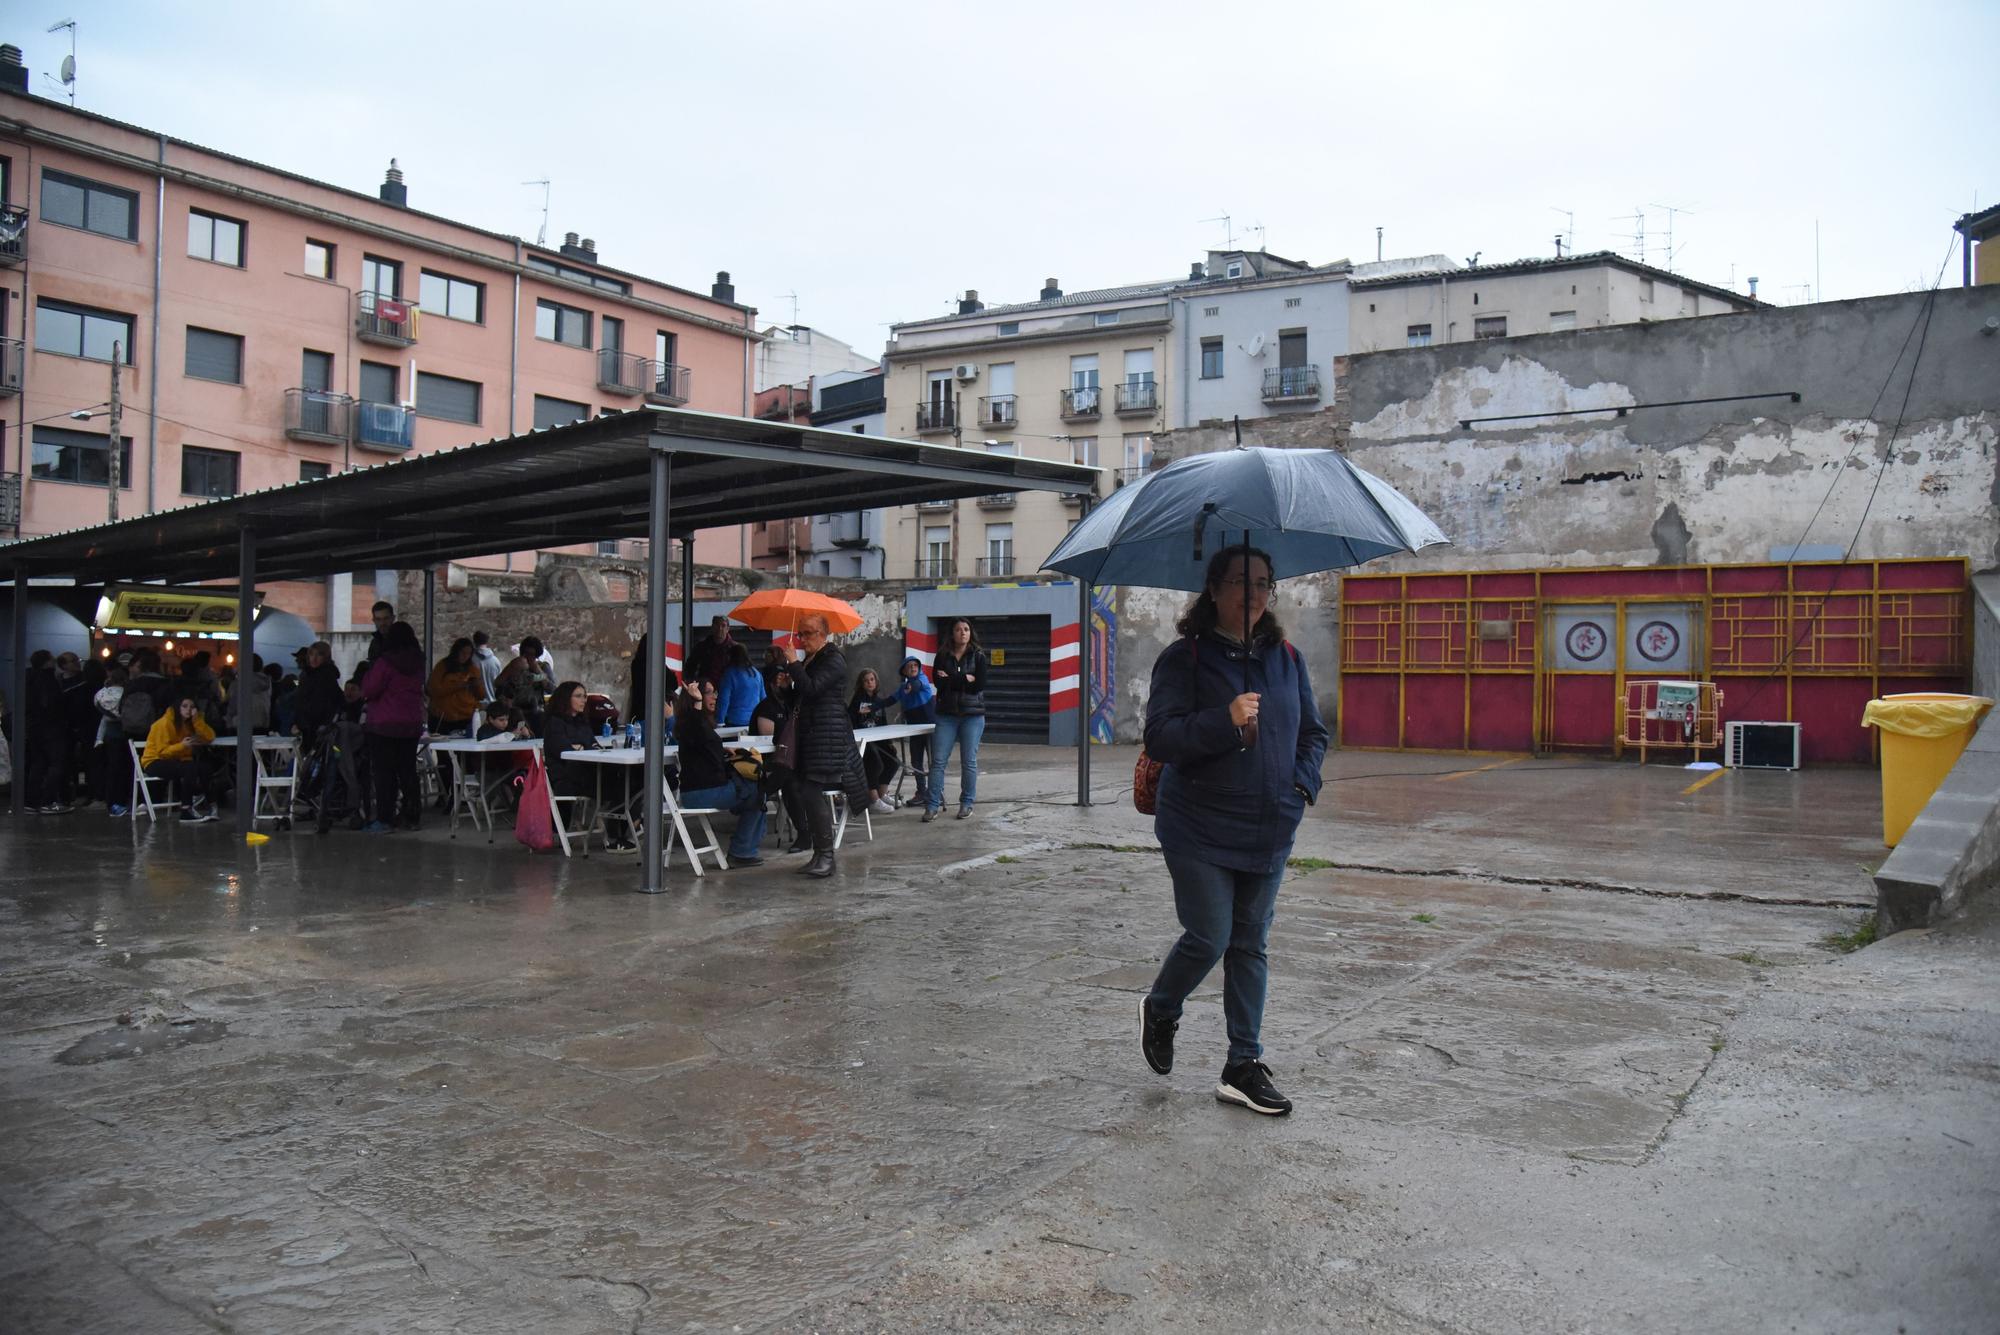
(1226, 804)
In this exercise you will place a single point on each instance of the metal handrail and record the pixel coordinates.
(1291, 382)
(623, 372)
(1138, 396)
(384, 426)
(13, 356)
(13, 234)
(996, 567)
(319, 414)
(934, 567)
(370, 323)
(997, 500)
(1088, 402)
(672, 383)
(996, 410)
(938, 416)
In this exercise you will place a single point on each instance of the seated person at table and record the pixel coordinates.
(566, 727)
(524, 681)
(453, 691)
(869, 708)
(178, 749)
(501, 722)
(709, 780)
(742, 690)
(765, 721)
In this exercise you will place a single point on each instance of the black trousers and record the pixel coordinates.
(46, 766)
(394, 761)
(199, 777)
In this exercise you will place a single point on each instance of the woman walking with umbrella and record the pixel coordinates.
(1235, 724)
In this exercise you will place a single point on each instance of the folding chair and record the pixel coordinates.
(142, 789)
(275, 788)
(557, 802)
(678, 829)
(468, 795)
(836, 800)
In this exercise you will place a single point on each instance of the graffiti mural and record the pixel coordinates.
(1103, 661)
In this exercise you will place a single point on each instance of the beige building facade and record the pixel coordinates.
(1077, 378)
(1416, 302)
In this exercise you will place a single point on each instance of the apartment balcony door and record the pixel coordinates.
(1083, 382)
(1292, 350)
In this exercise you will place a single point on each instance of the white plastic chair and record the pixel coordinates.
(275, 790)
(468, 796)
(142, 789)
(557, 802)
(836, 801)
(678, 830)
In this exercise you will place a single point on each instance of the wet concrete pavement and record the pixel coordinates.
(1568, 1046)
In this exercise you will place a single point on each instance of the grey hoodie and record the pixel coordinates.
(488, 664)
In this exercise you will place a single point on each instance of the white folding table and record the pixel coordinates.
(476, 801)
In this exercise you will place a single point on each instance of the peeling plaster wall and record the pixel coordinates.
(1712, 483)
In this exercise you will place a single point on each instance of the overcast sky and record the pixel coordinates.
(878, 159)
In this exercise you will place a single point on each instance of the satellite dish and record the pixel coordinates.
(69, 69)
(1256, 346)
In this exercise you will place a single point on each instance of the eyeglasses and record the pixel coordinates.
(1259, 585)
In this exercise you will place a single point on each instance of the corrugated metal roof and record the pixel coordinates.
(555, 487)
(1583, 261)
(1135, 292)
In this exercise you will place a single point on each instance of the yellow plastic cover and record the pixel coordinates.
(1926, 715)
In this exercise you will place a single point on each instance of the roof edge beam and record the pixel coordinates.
(991, 479)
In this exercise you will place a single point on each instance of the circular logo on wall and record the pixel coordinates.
(1659, 641)
(1586, 641)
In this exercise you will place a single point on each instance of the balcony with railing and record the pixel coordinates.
(935, 567)
(673, 384)
(935, 416)
(1291, 384)
(1082, 404)
(1123, 476)
(997, 410)
(384, 320)
(318, 414)
(389, 427)
(12, 354)
(621, 372)
(1138, 396)
(13, 236)
(996, 567)
(997, 500)
(936, 505)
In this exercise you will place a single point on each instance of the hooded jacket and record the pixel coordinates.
(394, 689)
(916, 694)
(318, 699)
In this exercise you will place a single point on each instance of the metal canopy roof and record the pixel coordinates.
(550, 488)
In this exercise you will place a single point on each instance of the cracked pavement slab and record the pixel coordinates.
(1568, 1050)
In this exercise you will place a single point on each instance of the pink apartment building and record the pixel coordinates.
(274, 328)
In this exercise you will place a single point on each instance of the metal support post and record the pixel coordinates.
(652, 848)
(430, 617)
(1083, 678)
(246, 656)
(17, 690)
(687, 603)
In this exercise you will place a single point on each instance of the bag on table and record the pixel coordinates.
(534, 825)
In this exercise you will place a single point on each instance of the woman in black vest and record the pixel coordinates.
(960, 675)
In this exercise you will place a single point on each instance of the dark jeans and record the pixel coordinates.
(879, 764)
(200, 777)
(962, 731)
(741, 797)
(1226, 915)
(394, 761)
(47, 765)
(807, 797)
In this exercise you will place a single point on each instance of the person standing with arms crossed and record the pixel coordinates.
(1237, 728)
(960, 675)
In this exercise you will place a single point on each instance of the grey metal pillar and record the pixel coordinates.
(17, 689)
(246, 657)
(430, 617)
(687, 603)
(1083, 587)
(652, 849)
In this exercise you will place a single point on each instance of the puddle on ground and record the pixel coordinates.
(138, 1040)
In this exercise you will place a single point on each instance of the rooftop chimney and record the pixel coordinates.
(585, 250)
(724, 290)
(1050, 291)
(1753, 289)
(972, 304)
(13, 74)
(1197, 271)
(393, 189)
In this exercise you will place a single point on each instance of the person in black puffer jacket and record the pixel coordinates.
(827, 756)
(960, 672)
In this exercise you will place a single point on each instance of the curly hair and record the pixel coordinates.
(1201, 616)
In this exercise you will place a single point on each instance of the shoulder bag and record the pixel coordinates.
(1146, 772)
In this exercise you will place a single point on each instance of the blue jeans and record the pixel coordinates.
(740, 796)
(963, 732)
(1226, 915)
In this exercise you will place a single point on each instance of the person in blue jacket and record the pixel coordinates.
(914, 695)
(1241, 739)
(742, 690)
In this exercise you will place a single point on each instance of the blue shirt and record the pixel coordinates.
(742, 690)
(1222, 802)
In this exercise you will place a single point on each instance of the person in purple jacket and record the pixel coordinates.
(394, 690)
(1240, 735)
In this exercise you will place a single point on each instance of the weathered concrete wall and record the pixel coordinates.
(1707, 483)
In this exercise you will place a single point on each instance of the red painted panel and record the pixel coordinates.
(1370, 588)
(1435, 586)
(1368, 709)
(1434, 711)
(1583, 712)
(1503, 713)
(1924, 575)
(1916, 685)
(1822, 578)
(1752, 699)
(1749, 579)
(1504, 584)
(1828, 711)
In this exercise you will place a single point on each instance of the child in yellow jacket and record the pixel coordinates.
(176, 749)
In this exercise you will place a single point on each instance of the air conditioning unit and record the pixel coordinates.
(966, 371)
(1761, 746)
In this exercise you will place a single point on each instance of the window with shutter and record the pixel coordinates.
(378, 383)
(443, 397)
(212, 355)
(557, 412)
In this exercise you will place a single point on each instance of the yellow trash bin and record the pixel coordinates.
(1923, 734)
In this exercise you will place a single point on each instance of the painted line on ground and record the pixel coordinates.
(1703, 782)
(1466, 773)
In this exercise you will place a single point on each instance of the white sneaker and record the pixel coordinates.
(880, 806)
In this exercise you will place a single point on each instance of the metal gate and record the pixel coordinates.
(1017, 696)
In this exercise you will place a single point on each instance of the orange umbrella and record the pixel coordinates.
(783, 609)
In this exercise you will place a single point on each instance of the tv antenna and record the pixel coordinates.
(1568, 241)
(1671, 210)
(1637, 236)
(1228, 232)
(69, 61)
(792, 297)
(542, 237)
(1258, 228)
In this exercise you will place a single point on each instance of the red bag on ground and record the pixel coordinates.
(533, 823)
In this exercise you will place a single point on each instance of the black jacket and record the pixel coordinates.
(703, 761)
(318, 700)
(876, 715)
(955, 696)
(827, 753)
(562, 733)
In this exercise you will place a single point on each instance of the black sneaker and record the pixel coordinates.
(1156, 1038)
(1249, 1084)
